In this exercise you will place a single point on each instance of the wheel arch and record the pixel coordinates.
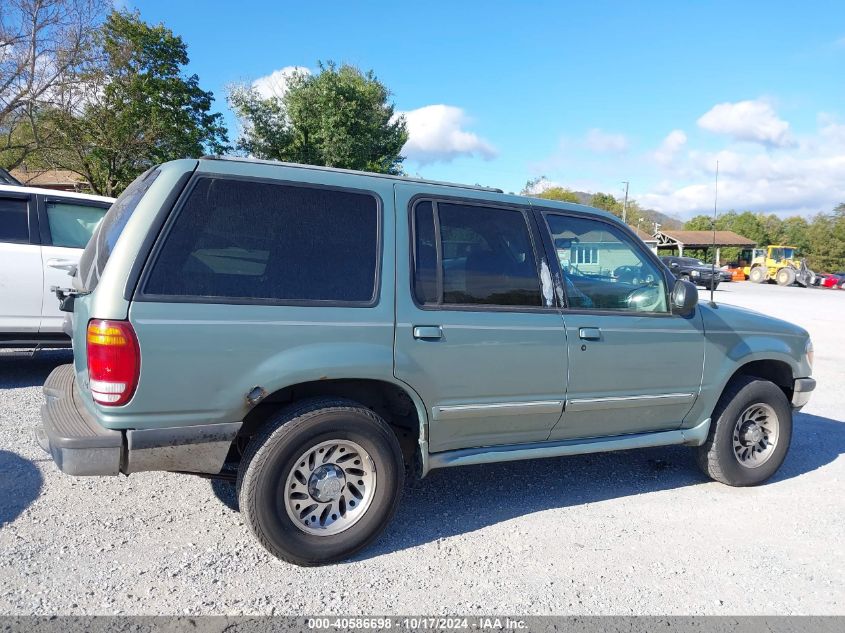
(399, 405)
(774, 370)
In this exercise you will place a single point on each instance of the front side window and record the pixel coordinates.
(14, 223)
(484, 256)
(603, 269)
(71, 224)
(237, 239)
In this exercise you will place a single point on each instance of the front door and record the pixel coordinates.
(633, 366)
(477, 335)
(21, 276)
(66, 225)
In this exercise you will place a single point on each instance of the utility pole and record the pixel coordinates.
(625, 204)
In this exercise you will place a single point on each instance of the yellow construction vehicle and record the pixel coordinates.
(775, 263)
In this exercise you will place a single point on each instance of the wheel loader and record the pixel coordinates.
(776, 263)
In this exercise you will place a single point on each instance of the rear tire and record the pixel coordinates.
(321, 481)
(757, 275)
(785, 277)
(749, 435)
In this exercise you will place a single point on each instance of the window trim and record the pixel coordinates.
(151, 260)
(34, 238)
(537, 247)
(546, 233)
(43, 200)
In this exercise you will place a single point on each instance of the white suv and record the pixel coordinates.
(42, 234)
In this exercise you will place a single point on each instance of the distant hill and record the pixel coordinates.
(649, 215)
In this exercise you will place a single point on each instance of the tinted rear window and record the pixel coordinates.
(99, 249)
(243, 240)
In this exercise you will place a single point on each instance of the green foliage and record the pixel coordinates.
(561, 194)
(826, 238)
(339, 117)
(139, 108)
(821, 241)
(607, 202)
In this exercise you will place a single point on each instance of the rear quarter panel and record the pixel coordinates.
(199, 360)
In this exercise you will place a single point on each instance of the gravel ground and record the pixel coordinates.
(640, 532)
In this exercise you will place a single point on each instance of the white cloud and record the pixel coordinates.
(603, 142)
(753, 121)
(275, 84)
(669, 148)
(807, 177)
(436, 133)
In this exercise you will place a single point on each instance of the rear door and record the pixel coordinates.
(477, 335)
(21, 273)
(66, 225)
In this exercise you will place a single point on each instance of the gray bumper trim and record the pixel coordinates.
(81, 446)
(197, 449)
(801, 391)
(77, 443)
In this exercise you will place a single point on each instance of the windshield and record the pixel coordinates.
(99, 248)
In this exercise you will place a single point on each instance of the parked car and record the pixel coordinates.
(828, 280)
(696, 271)
(42, 234)
(317, 331)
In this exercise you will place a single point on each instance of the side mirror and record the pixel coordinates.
(674, 264)
(684, 297)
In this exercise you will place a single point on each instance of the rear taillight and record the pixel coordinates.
(114, 361)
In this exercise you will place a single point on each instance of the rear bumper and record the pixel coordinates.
(801, 392)
(79, 445)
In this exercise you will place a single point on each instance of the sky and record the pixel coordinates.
(586, 94)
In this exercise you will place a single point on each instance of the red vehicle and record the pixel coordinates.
(831, 281)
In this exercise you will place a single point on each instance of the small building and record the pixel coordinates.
(650, 240)
(58, 179)
(679, 240)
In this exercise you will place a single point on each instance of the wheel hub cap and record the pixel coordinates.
(330, 487)
(751, 433)
(326, 483)
(755, 435)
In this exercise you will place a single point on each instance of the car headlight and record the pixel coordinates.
(695, 273)
(808, 351)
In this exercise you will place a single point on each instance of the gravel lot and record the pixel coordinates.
(640, 532)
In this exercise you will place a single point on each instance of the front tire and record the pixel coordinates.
(749, 434)
(785, 277)
(757, 276)
(321, 481)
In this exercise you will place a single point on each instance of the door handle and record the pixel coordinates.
(428, 332)
(589, 333)
(61, 264)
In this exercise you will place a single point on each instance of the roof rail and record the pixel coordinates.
(278, 163)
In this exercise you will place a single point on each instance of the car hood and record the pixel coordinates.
(743, 320)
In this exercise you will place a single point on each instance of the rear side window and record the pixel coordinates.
(473, 255)
(99, 248)
(71, 224)
(14, 223)
(243, 240)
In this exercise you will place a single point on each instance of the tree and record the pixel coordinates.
(42, 44)
(138, 108)
(826, 237)
(607, 202)
(339, 117)
(560, 193)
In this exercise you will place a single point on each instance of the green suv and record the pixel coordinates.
(315, 332)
